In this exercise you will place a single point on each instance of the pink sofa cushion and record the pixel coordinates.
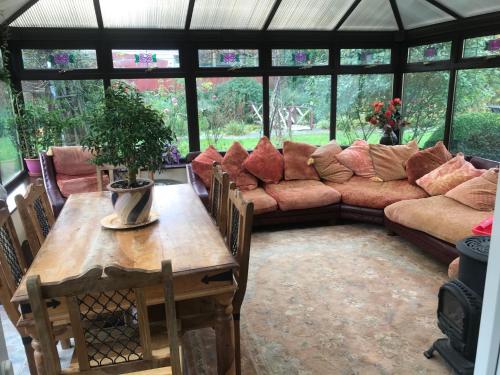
(425, 161)
(262, 202)
(357, 158)
(72, 161)
(203, 164)
(296, 155)
(80, 184)
(302, 194)
(265, 162)
(232, 163)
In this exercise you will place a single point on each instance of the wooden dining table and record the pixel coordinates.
(184, 233)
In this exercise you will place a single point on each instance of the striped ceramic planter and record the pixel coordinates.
(133, 205)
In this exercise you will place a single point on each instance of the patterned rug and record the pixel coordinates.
(345, 299)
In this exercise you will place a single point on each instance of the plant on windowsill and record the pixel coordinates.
(389, 119)
(124, 131)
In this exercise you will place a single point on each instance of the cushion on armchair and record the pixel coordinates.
(325, 162)
(232, 163)
(203, 164)
(296, 156)
(72, 161)
(265, 162)
(427, 160)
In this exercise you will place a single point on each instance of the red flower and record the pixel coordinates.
(392, 108)
(392, 123)
(388, 115)
(396, 101)
(373, 120)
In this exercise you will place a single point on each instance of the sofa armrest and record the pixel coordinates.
(197, 184)
(49, 179)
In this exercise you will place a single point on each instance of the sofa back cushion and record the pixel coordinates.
(232, 163)
(389, 161)
(324, 160)
(72, 161)
(446, 177)
(265, 162)
(478, 192)
(425, 161)
(296, 156)
(203, 164)
(357, 158)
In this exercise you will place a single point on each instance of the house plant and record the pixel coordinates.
(388, 118)
(124, 131)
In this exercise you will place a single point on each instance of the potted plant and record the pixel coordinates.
(389, 119)
(124, 131)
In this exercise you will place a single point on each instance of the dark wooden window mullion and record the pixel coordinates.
(189, 61)
(265, 64)
(456, 52)
(335, 64)
(398, 58)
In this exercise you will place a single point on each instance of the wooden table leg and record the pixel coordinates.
(224, 335)
(38, 355)
(28, 349)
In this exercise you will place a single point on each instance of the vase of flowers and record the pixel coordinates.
(388, 118)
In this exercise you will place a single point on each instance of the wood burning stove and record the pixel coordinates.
(459, 308)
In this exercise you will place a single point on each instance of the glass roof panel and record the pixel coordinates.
(309, 14)
(59, 13)
(371, 15)
(467, 8)
(144, 14)
(9, 7)
(230, 14)
(418, 13)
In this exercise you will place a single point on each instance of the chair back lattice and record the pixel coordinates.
(217, 199)
(109, 173)
(36, 214)
(239, 233)
(109, 317)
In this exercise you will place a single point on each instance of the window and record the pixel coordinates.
(167, 95)
(425, 98)
(476, 118)
(355, 94)
(229, 109)
(482, 46)
(429, 52)
(136, 59)
(10, 160)
(300, 57)
(299, 109)
(365, 56)
(75, 99)
(62, 59)
(228, 58)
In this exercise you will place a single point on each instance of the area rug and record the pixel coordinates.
(344, 299)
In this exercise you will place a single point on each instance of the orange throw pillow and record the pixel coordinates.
(232, 163)
(446, 177)
(296, 156)
(479, 192)
(203, 163)
(325, 162)
(426, 161)
(357, 158)
(265, 162)
(73, 160)
(389, 161)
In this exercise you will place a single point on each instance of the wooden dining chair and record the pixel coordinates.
(36, 214)
(110, 321)
(114, 173)
(217, 198)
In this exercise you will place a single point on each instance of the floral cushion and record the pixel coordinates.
(478, 192)
(357, 158)
(72, 161)
(203, 164)
(389, 161)
(296, 156)
(232, 163)
(265, 162)
(427, 160)
(324, 160)
(262, 202)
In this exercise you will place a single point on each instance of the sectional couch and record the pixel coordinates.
(435, 224)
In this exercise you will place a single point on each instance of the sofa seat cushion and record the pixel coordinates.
(439, 216)
(262, 202)
(79, 184)
(363, 192)
(72, 160)
(302, 194)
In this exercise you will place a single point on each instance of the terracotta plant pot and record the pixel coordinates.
(34, 167)
(132, 205)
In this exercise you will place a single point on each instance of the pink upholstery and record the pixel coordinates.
(262, 202)
(72, 161)
(453, 269)
(78, 184)
(302, 194)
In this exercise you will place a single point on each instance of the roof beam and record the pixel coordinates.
(14, 16)
(445, 9)
(98, 14)
(347, 14)
(397, 15)
(271, 14)
(189, 15)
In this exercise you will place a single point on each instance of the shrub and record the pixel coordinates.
(323, 124)
(235, 128)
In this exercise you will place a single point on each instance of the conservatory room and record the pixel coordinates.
(256, 187)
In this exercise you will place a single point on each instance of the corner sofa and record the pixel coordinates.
(440, 223)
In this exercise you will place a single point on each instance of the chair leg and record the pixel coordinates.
(237, 348)
(30, 355)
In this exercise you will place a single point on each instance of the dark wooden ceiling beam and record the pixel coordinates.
(271, 14)
(347, 14)
(18, 12)
(98, 14)
(397, 15)
(189, 15)
(445, 9)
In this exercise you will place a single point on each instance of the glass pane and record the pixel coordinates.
(59, 59)
(300, 109)
(167, 95)
(59, 13)
(482, 46)
(355, 94)
(425, 97)
(418, 13)
(476, 117)
(429, 52)
(467, 8)
(365, 56)
(229, 109)
(134, 59)
(300, 57)
(227, 58)
(73, 100)
(371, 15)
(10, 160)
